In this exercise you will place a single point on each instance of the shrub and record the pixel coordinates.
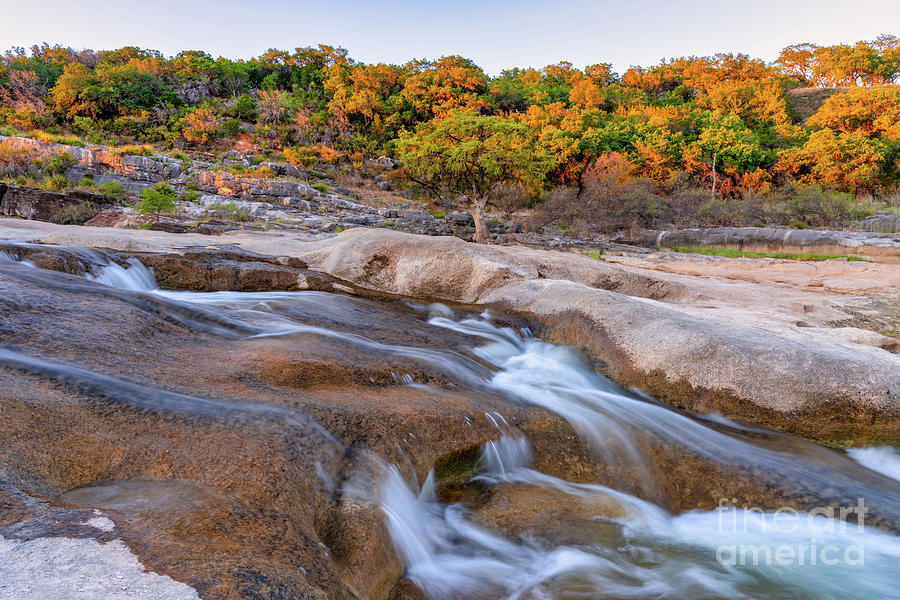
(157, 200)
(201, 126)
(112, 190)
(76, 215)
(135, 150)
(510, 198)
(17, 160)
(190, 196)
(245, 108)
(230, 210)
(299, 157)
(60, 163)
(321, 187)
(56, 183)
(814, 206)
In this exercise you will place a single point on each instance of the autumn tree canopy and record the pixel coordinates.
(729, 118)
(474, 155)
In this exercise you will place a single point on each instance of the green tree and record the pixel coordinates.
(473, 155)
(157, 200)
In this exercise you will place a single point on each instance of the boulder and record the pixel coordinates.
(461, 219)
(32, 203)
(883, 222)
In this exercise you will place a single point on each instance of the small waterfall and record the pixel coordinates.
(4, 255)
(134, 277)
(501, 458)
(881, 459)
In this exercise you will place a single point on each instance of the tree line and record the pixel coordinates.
(726, 123)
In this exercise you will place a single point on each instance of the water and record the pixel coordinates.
(621, 542)
(646, 553)
(134, 277)
(883, 459)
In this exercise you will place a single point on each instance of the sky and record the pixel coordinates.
(496, 34)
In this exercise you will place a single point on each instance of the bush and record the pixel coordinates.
(229, 210)
(135, 150)
(299, 157)
(509, 199)
(16, 160)
(321, 187)
(56, 183)
(157, 200)
(76, 215)
(813, 206)
(60, 163)
(190, 196)
(202, 126)
(245, 108)
(112, 190)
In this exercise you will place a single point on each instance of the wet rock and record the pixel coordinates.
(675, 336)
(218, 467)
(203, 271)
(836, 394)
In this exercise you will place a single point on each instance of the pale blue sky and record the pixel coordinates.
(494, 33)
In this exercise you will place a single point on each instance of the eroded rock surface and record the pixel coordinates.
(704, 343)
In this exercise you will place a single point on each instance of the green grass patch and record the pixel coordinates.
(732, 253)
(598, 254)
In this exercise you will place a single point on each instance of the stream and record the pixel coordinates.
(620, 540)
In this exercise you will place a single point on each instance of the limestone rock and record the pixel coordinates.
(32, 203)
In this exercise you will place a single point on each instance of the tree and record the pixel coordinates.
(111, 91)
(24, 90)
(201, 126)
(848, 161)
(473, 155)
(872, 112)
(157, 200)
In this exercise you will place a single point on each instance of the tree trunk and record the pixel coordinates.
(715, 155)
(481, 234)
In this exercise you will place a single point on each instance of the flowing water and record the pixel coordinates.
(627, 544)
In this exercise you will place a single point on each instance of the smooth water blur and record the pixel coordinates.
(619, 423)
(645, 553)
(134, 277)
(882, 459)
